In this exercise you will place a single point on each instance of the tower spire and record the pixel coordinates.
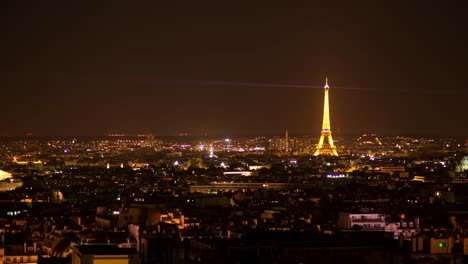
(325, 145)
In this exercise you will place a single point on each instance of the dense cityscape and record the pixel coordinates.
(160, 132)
(187, 199)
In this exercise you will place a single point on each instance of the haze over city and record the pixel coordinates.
(71, 69)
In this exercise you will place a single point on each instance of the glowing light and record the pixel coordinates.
(326, 145)
(211, 151)
(5, 175)
(336, 176)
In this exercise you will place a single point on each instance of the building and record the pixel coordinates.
(94, 254)
(406, 229)
(463, 165)
(326, 145)
(15, 248)
(363, 221)
(235, 186)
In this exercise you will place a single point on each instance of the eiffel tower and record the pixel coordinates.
(325, 145)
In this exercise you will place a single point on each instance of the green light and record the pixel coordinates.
(441, 245)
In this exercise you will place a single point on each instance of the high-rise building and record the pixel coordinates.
(211, 151)
(325, 145)
(227, 146)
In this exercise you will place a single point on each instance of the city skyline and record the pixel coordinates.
(76, 70)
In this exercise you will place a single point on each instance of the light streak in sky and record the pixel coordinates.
(237, 84)
(299, 86)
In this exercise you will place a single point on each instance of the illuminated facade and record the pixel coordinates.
(463, 165)
(211, 151)
(325, 145)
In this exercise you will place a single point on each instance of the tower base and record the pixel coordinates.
(325, 145)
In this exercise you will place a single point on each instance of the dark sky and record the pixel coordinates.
(69, 68)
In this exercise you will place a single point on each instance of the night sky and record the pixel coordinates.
(228, 69)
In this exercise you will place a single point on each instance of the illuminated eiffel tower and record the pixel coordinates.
(325, 145)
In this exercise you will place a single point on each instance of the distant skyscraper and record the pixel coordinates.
(227, 145)
(286, 141)
(325, 145)
(211, 151)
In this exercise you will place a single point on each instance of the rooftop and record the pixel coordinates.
(104, 250)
